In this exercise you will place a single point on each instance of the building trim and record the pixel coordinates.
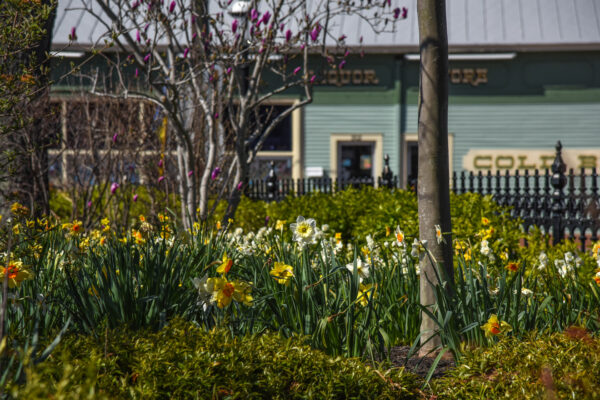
(336, 138)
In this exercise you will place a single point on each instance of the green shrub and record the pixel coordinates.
(182, 361)
(559, 366)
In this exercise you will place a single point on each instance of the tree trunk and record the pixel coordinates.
(433, 190)
(31, 162)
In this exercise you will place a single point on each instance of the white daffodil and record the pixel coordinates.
(304, 230)
(543, 260)
(438, 234)
(526, 292)
(485, 250)
(399, 237)
(361, 268)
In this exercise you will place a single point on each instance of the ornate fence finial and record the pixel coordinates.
(271, 183)
(387, 175)
(558, 181)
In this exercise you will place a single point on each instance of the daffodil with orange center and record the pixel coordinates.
(226, 265)
(15, 272)
(512, 266)
(399, 236)
(495, 327)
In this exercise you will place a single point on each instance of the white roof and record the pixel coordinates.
(473, 25)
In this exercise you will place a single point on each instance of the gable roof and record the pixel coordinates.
(473, 26)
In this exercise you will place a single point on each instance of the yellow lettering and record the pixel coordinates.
(332, 78)
(522, 164)
(345, 76)
(587, 161)
(479, 160)
(455, 75)
(370, 77)
(546, 161)
(505, 162)
(357, 77)
(468, 75)
(481, 76)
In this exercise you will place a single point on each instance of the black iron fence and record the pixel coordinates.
(555, 201)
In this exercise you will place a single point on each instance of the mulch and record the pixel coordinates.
(420, 365)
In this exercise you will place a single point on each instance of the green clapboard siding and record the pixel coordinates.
(323, 120)
(502, 126)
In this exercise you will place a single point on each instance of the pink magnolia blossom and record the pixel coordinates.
(314, 34)
(234, 26)
(397, 12)
(114, 139)
(342, 63)
(89, 204)
(266, 17)
(185, 52)
(253, 14)
(160, 163)
(136, 73)
(312, 79)
(114, 187)
(191, 173)
(161, 178)
(135, 197)
(73, 34)
(228, 70)
(215, 173)
(288, 35)
(297, 69)
(147, 57)
(240, 186)
(172, 6)
(135, 5)
(138, 37)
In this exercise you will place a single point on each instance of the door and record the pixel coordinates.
(355, 160)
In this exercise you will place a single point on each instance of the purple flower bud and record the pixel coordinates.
(314, 34)
(194, 36)
(267, 218)
(281, 26)
(361, 39)
(138, 37)
(89, 204)
(191, 173)
(253, 14)
(302, 46)
(234, 26)
(312, 79)
(404, 12)
(388, 3)
(215, 173)
(172, 6)
(147, 58)
(216, 115)
(346, 53)
(240, 186)
(343, 37)
(135, 197)
(342, 63)
(161, 178)
(288, 35)
(73, 34)
(297, 69)
(185, 52)
(114, 187)
(146, 27)
(115, 137)
(266, 17)
(135, 5)
(136, 73)
(396, 12)
(160, 163)
(228, 70)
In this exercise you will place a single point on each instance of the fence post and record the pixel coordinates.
(387, 175)
(558, 182)
(271, 183)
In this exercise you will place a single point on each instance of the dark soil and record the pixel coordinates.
(420, 365)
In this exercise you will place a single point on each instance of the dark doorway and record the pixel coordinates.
(356, 160)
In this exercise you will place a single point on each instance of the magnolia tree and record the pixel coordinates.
(212, 66)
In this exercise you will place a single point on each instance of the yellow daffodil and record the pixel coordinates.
(365, 293)
(137, 236)
(495, 327)
(222, 291)
(16, 273)
(226, 265)
(388, 231)
(282, 273)
(596, 250)
(512, 266)
(242, 293)
(19, 210)
(485, 221)
(280, 224)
